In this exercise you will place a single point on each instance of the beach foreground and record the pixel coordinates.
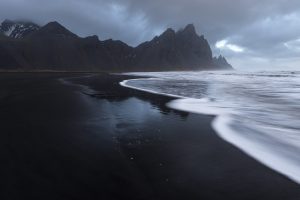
(83, 136)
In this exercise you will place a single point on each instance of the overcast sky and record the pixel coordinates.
(251, 34)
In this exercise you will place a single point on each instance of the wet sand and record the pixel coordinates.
(66, 141)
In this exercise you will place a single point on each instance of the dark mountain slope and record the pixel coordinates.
(53, 47)
(17, 29)
(53, 29)
(221, 63)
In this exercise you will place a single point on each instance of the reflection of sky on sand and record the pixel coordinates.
(130, 117)
(129, 111)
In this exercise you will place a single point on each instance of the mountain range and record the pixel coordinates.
(27, 46)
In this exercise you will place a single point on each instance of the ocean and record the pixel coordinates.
(258, 112)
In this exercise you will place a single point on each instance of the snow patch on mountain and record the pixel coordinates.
(17, 29)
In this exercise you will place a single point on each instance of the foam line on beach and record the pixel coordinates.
(257, 145)
(264, 148)
(86, 89)
(125, 84)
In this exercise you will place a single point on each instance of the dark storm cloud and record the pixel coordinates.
(253, 32)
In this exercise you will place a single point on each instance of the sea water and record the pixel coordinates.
(258, 112)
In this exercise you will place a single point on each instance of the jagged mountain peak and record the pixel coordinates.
(54, 24)
(55, 47)
(17, 29)
(167, 33)
(190, 28)
(94, 38)
(188, 35)
(54, 29)
(221, 62)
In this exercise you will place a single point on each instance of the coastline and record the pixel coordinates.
(116, 143)
(255, 144)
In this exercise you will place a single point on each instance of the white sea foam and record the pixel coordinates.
(257, 112)
(126, 83)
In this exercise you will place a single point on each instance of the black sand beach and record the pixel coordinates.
(65, 141)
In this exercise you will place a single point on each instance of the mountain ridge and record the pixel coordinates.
(17, 29)
(54, 47)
